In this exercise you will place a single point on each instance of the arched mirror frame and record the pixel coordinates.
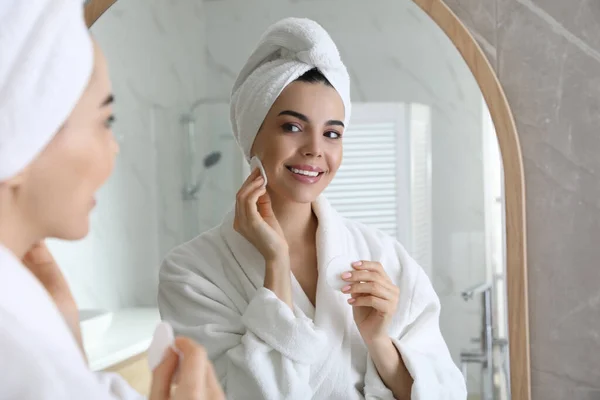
(514, 181)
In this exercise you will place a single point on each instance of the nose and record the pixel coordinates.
(313, 146)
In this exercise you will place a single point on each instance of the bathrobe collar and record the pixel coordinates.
(331, 244)
(26, 302)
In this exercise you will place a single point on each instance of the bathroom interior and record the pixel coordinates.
(421, 147)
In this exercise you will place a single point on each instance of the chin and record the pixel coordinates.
(303, 195)
(304, 199)
(77, 229)
(297, 192)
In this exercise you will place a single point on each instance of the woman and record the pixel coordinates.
(56, 150)
(256, 290)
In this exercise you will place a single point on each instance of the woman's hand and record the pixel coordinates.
(255, 220)
(42, 265)
(374, 299)
(374, 303)
(195, 379)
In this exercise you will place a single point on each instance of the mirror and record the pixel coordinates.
(422, 151)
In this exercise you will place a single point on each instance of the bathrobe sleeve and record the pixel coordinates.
(420, 344)
(261, 352)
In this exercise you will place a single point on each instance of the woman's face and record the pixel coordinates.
(56, 191)
(300, 141)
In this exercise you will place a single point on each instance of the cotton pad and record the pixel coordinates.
(255, 163)
(336, 267)
(162, 340)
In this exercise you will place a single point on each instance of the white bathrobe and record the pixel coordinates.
(211, 289)
(39, 358)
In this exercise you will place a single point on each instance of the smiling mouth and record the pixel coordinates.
(312, 174)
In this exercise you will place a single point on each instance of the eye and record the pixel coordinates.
(291, 128)
(109, 122)
(333, 135)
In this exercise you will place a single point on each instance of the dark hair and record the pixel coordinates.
(314, 76)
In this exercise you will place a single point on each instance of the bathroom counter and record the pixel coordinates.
(129, 335)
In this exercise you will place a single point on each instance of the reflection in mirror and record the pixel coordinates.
(421, 160)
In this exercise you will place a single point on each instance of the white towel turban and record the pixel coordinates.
(287, 50)
(46, 60)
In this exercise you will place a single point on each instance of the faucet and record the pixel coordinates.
(483, 355)
(477, 289)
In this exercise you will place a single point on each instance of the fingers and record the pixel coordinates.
(244, 206)
(359, 276)
(194, 362)
(253, 175)
(370, 288)
(372, 266)
(38, 254)
(381, 305)
(251, 203)
(248, 188)
(195, 377)
(254, 180)
(264, 207)
(192, 354)
(366, 276)
(162, 377)
(366, 271)
(213, 387)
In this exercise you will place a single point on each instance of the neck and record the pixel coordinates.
(297, 220)
(16, 233)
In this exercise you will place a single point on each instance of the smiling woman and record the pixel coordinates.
(420, 163)
(300, 138)
(289, 107)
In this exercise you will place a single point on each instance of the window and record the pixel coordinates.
(385, 177)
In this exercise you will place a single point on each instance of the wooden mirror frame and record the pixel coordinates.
(514, 181)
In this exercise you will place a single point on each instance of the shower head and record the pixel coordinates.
(190, 190)
(212, 159)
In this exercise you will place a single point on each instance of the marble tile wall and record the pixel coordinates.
(548, 61)
(156, 57)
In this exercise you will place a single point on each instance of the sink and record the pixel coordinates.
(94, 323)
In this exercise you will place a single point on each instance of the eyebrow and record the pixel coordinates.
(109, 100)
(306, 119)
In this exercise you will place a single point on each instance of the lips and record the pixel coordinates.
(306, 174)
(306, 170)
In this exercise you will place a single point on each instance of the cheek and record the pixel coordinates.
(91, 161)
(55, 184)
(335, 158)
(275, 151)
